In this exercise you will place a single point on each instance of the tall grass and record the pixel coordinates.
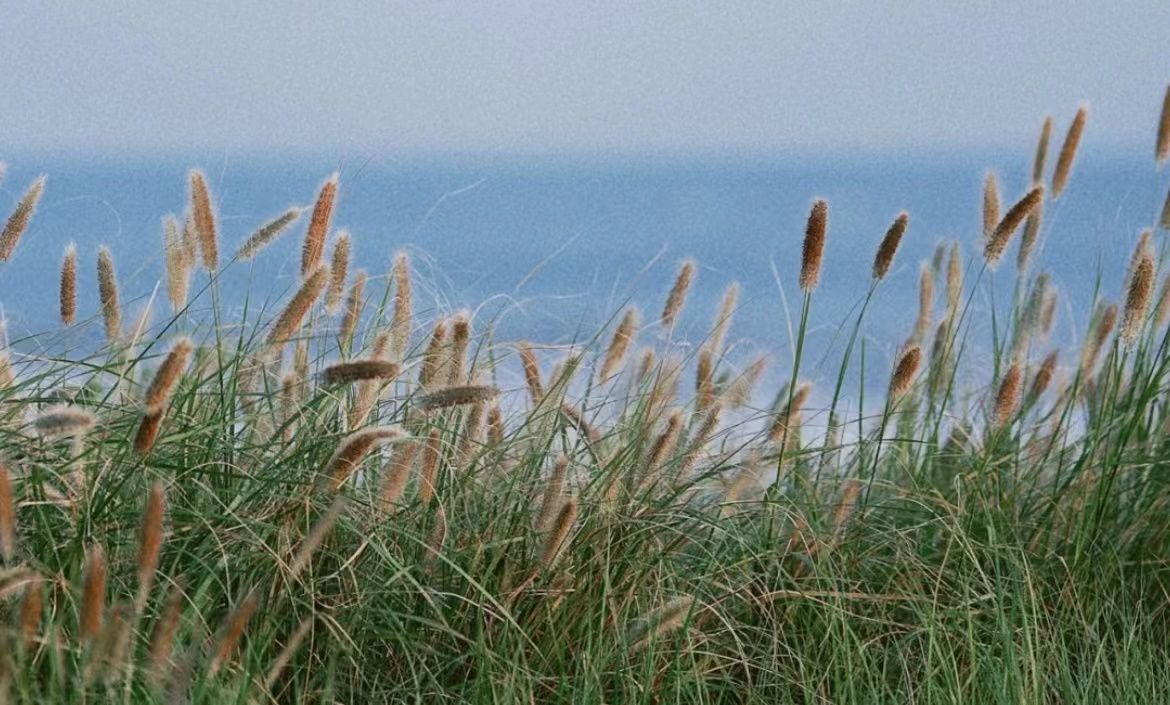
(334, 499)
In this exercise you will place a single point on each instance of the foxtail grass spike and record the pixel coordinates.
(1137, 299)
(678, 294)
(267, 233)
(338, 271)
(814, 246)
(203, 216)
(68, 285)
(1041, 151)
(1068, 152)
(889, 246)
(905, 370)
(403, 305)
(990, 205)
(18, 222)
(1011, 221)
(314, 247)
(1162, 146)
(289, 320)
(108, 295)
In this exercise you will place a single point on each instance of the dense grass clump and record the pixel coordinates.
(354, 502)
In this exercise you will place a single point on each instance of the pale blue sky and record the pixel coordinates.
(575, 77)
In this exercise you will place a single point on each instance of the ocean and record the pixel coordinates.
(550, 250)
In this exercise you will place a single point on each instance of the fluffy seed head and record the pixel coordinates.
(1043, 378)
(62, 421)
(553, 496)
(620, 343)
(1068, 151)
(1042, 150)
(905, 370)
(403, 303)
(1007, 398)
(557, 539)
(93, 595)
(1106, 320)
(353, 308)
(433, 356)
(338, 271)
(925, 303)
(889, 247)
(150, 541)
(999, 239)
(723, 319)
(203, 216)
(531, 372)
(148, 430)
(790, 413)
(30, 614)
(68, 288)
(1162, 310)
(954, 281)
(314, 246)
(460, 340)
(177, 263)
(19, 220)
(814, 246)
(162, 639)
(397, 473)
(1137, 299)
(353, 449)
(429, 470)
(167, 376)
(1164, 221)
(739, 392)
(678, 293)
(266, 233)
(1031, 234)
(108, 294)
(461, 395)
(298, 306)
(357, 370)
(990, 204)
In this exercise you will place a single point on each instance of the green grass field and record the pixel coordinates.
(331, 497)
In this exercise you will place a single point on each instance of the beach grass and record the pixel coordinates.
(331, 496)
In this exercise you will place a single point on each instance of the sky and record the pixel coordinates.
(590, 78)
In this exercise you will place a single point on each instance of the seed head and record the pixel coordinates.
(19, 220)
(314, 247)
(68, 297)
(203, 216)
(905, 371)
(814, 246)
(886, 251)
(1007, 227)
(678, 293)
(1068, 151)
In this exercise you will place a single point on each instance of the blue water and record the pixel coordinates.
(556, 247)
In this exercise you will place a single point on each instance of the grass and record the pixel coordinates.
(349, 534)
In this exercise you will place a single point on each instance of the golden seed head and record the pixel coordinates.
(403, 302)
(1008, 397)
(108, 294)
(814, 246)
(889, 247)
(1011, 221)
(531, 372)
(678, 293)
(314, 245)
(289, 320)
(1137, 299)
(990, 204)
(954, 281)
(20, 218)
(93, 595)
(620, 343)
(150, 540)
(148, 430)
(460, 395)
(203, 216)
(354, 448)
(353, 308)
(433, 356)
(1068, 151)
(1043, 378)
(7, 516)
(159, 391)
(68, 293)
(905, 371)
(429, 471)
(338, 271)
(1030, 236)
(177, 264)
(266, 233)
(557, 539)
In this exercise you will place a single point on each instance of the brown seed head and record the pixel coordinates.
(1042, 150)
(1008, 397)
(620, 343)
(905, 371)
(93, 595)
(457, 396)
(433, 356)
(1137, 299)
(397, 474)
(353, 308)
(553, 496)
(148, 430)
(167, 376)
(231, 632)
(289, 320)
(999, 239)
(358, 370)
(68, 293)
(108, 294)
(1162, 310)
(889, 247)
(338, 271)
(460, 340)
(1030, 236)
(203, 216)
(1068, 151)
(558, 537)
(531, 372)
(314, 246)
(316, 537)
(954, 281)
(814, 246)
(429, 471)
(925, 303)
(990, 204)
(403, 303)
(354, 448)
(162, 639)
(1043, 378)
(150, 541)
(177, 265)
(30, 614)
(19, 220)
(266, 233)
(678, 293)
